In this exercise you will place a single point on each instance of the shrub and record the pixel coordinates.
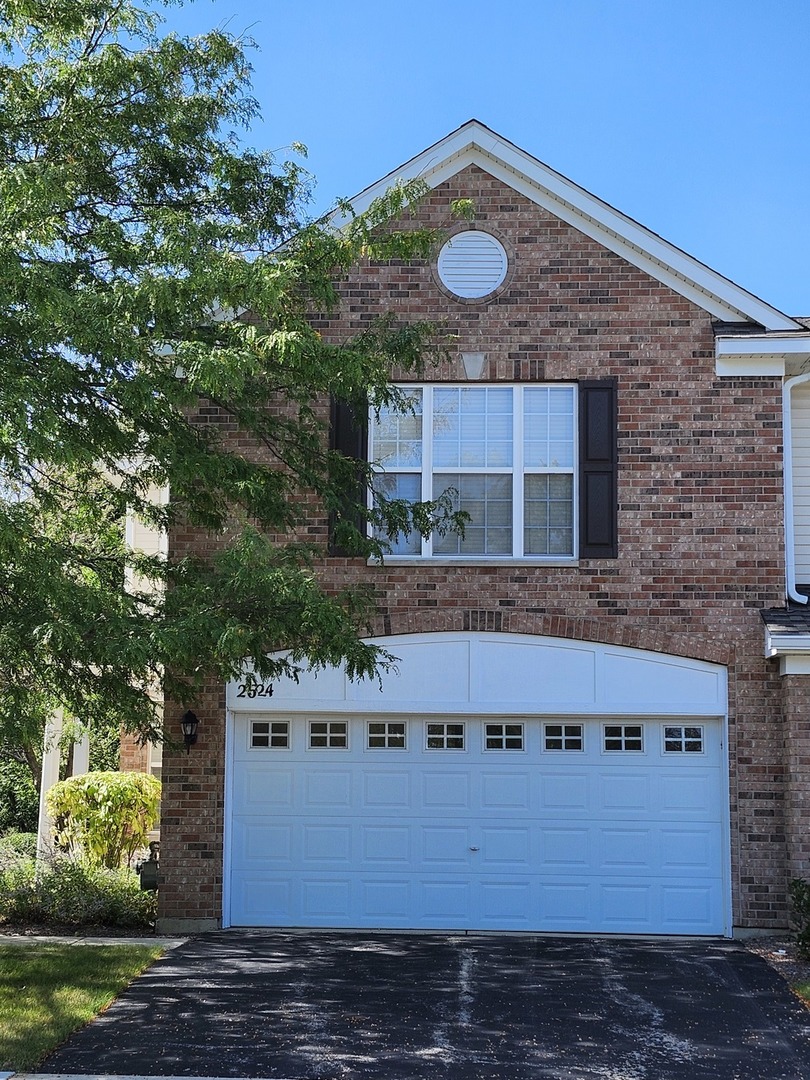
(75, 894)
(105, 817)
(799, 890)
(19, 802)
(16, 847)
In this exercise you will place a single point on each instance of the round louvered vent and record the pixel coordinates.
(472, 264)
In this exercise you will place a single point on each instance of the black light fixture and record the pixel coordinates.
(189, 724)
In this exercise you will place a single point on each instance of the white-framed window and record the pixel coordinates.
(503, 736)
(328, 735)
(508, 455)
(563, 737)
(444, 736)
(683, 739)
(270, 734)
(623, 737)
(386, 735)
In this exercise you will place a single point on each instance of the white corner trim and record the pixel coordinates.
(473, 143)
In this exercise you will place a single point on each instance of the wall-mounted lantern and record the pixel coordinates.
(189, 724)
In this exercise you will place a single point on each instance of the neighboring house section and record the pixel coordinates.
(585, 730)
(143, 537)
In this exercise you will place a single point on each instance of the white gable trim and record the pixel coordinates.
(475, 144)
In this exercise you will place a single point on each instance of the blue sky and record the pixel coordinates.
(691, 116)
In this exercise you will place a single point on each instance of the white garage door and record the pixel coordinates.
(508, 823)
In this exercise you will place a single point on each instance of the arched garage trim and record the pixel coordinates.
(484, 675)
(491, 674)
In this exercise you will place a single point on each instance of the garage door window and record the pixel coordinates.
(329, 735)
(270, 735)
(625, 737)
(683, 740)
(503, 737)
(562, 736)
(444, 736)
(386, 735)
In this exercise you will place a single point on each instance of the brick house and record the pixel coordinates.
(599, 719)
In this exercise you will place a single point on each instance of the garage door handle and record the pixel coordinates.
(474, 849)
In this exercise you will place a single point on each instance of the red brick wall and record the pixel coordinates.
(700, 505)
(134, 756)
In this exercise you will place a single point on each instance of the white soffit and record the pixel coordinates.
(475, 144)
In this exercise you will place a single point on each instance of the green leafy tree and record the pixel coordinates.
(135, 231)
(104, 817)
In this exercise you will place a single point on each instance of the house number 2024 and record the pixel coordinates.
(257, 689)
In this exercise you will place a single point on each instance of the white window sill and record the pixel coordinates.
(436, 561)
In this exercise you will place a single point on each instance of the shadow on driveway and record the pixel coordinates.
(327, 1006)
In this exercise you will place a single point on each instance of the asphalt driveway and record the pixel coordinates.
(328, 1006)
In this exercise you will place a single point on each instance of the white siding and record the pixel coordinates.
(800, 425)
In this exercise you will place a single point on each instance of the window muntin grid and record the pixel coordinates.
(507, 736)
(505, 454)
(328, 735)
(563, 737)
(444, 736)
(683, 739)
(270, 734)
(386, 735)
(627, 737)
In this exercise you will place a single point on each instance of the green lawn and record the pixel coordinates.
(803, 990)
(49, 990)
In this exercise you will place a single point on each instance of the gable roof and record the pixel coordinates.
(475, 144)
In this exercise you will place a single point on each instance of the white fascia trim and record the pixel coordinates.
(758, 354)
(777, 644)
(475, 144)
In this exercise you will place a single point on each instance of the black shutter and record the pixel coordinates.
(598, 466)
(348, 434)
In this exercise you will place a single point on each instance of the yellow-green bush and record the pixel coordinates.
(104, 817)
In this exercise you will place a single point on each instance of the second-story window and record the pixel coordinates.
(508, 455)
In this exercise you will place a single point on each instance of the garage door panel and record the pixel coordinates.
(507, 905)
(566, 905)
(622, 791)
(693, 849)
(691, 793)
(505, 791)
(261, 791)
(330, 788)
(625, 850)
(327, 844)
(445, 900)
(326, 898)
(503, 847)
(524, 840)
(256, 842)
(689, 908)
(387, 789)
(445, 846)
(386, 845)
(565, 792)
(564, 848)
(445, 790)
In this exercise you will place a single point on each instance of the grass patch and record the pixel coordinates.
(47, 991)
(803, 990)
